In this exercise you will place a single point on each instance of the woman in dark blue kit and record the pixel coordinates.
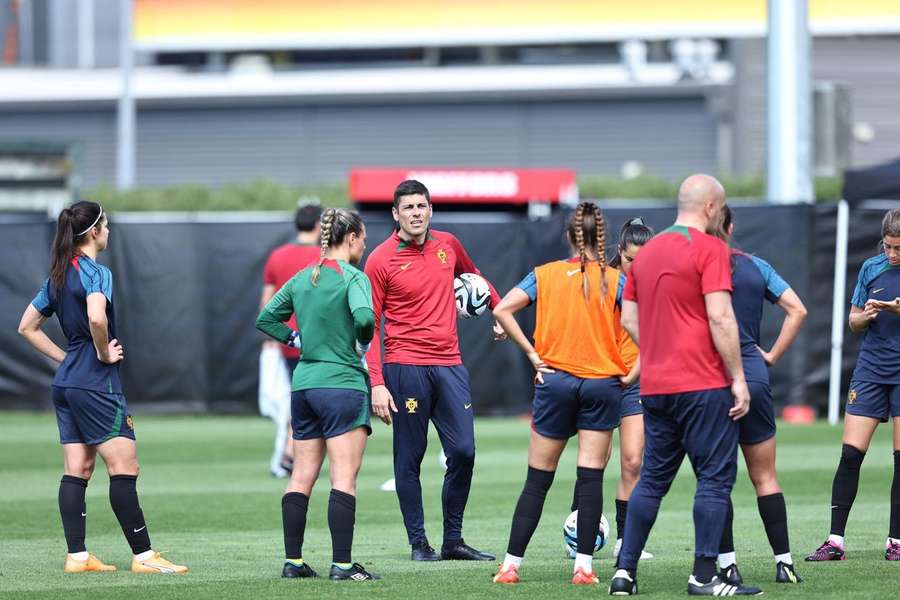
(755, 281)
(91, 411)
(874, 395)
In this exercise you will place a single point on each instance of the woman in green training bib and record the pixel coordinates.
(330, 390)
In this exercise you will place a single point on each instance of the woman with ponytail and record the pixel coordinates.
(332, 301)
(577, 390)
(91, 411)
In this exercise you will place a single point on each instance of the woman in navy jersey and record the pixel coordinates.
(754, 281)
(874, 395)
(91, 411)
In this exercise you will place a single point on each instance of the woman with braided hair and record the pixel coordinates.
(577, 391)
(332, 301)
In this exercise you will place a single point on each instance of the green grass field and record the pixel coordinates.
(209, 500)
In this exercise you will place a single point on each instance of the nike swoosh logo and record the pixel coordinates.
(141, 529)
(83, 514)
(467, 406)
(572, 272)
(405, 267)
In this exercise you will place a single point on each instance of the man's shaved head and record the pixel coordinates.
(698, 190)
(700, 201)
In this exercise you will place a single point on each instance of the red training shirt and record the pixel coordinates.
(412, 287)
(283, 263)
(669, 279)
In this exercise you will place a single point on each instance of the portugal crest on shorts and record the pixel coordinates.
(851, 397)
(442, 256)
(411, 405)
(130, 422)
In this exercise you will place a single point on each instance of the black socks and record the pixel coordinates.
(124, 501)
(704, 569)
(73, 511)
(844, 487)
(590, 507)
(727, 543)
(621, 515)
(894, 531)
(528, 510)
(773, 513)
(293, 522)
(341, 519)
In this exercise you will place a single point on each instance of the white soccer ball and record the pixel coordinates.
(472, 295)
(570, 533)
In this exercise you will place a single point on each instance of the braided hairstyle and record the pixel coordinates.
(587, 231)
(335, 225)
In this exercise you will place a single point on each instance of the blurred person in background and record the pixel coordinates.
(284, 262)
(331, 301)
(91, 410)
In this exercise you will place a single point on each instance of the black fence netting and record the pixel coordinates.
(187, 295)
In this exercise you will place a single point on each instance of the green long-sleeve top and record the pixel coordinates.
(331, 317)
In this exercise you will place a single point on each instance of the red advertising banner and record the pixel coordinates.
(467, 186)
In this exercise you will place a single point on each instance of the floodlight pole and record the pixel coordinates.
(838, 320)
(125, 151)
(789, 156)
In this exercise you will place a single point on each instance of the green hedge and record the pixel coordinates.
(827, 189)
(270, 195)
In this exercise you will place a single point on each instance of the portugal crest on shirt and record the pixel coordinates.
(130, 422)
(851, 397)
(442, 256)
(411, 405)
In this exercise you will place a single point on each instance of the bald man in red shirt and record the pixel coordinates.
(677, 307)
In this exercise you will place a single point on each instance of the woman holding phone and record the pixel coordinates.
(874, 395)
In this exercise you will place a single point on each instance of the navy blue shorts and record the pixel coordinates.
(631, 400)
(563, 404)
(758, 425)
(328, 412)
(87, 417)
(876, 400)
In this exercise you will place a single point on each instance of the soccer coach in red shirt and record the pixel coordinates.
(677, 307)
(423, 376)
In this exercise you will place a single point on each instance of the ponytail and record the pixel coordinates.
(633, 233)
(72, 225)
